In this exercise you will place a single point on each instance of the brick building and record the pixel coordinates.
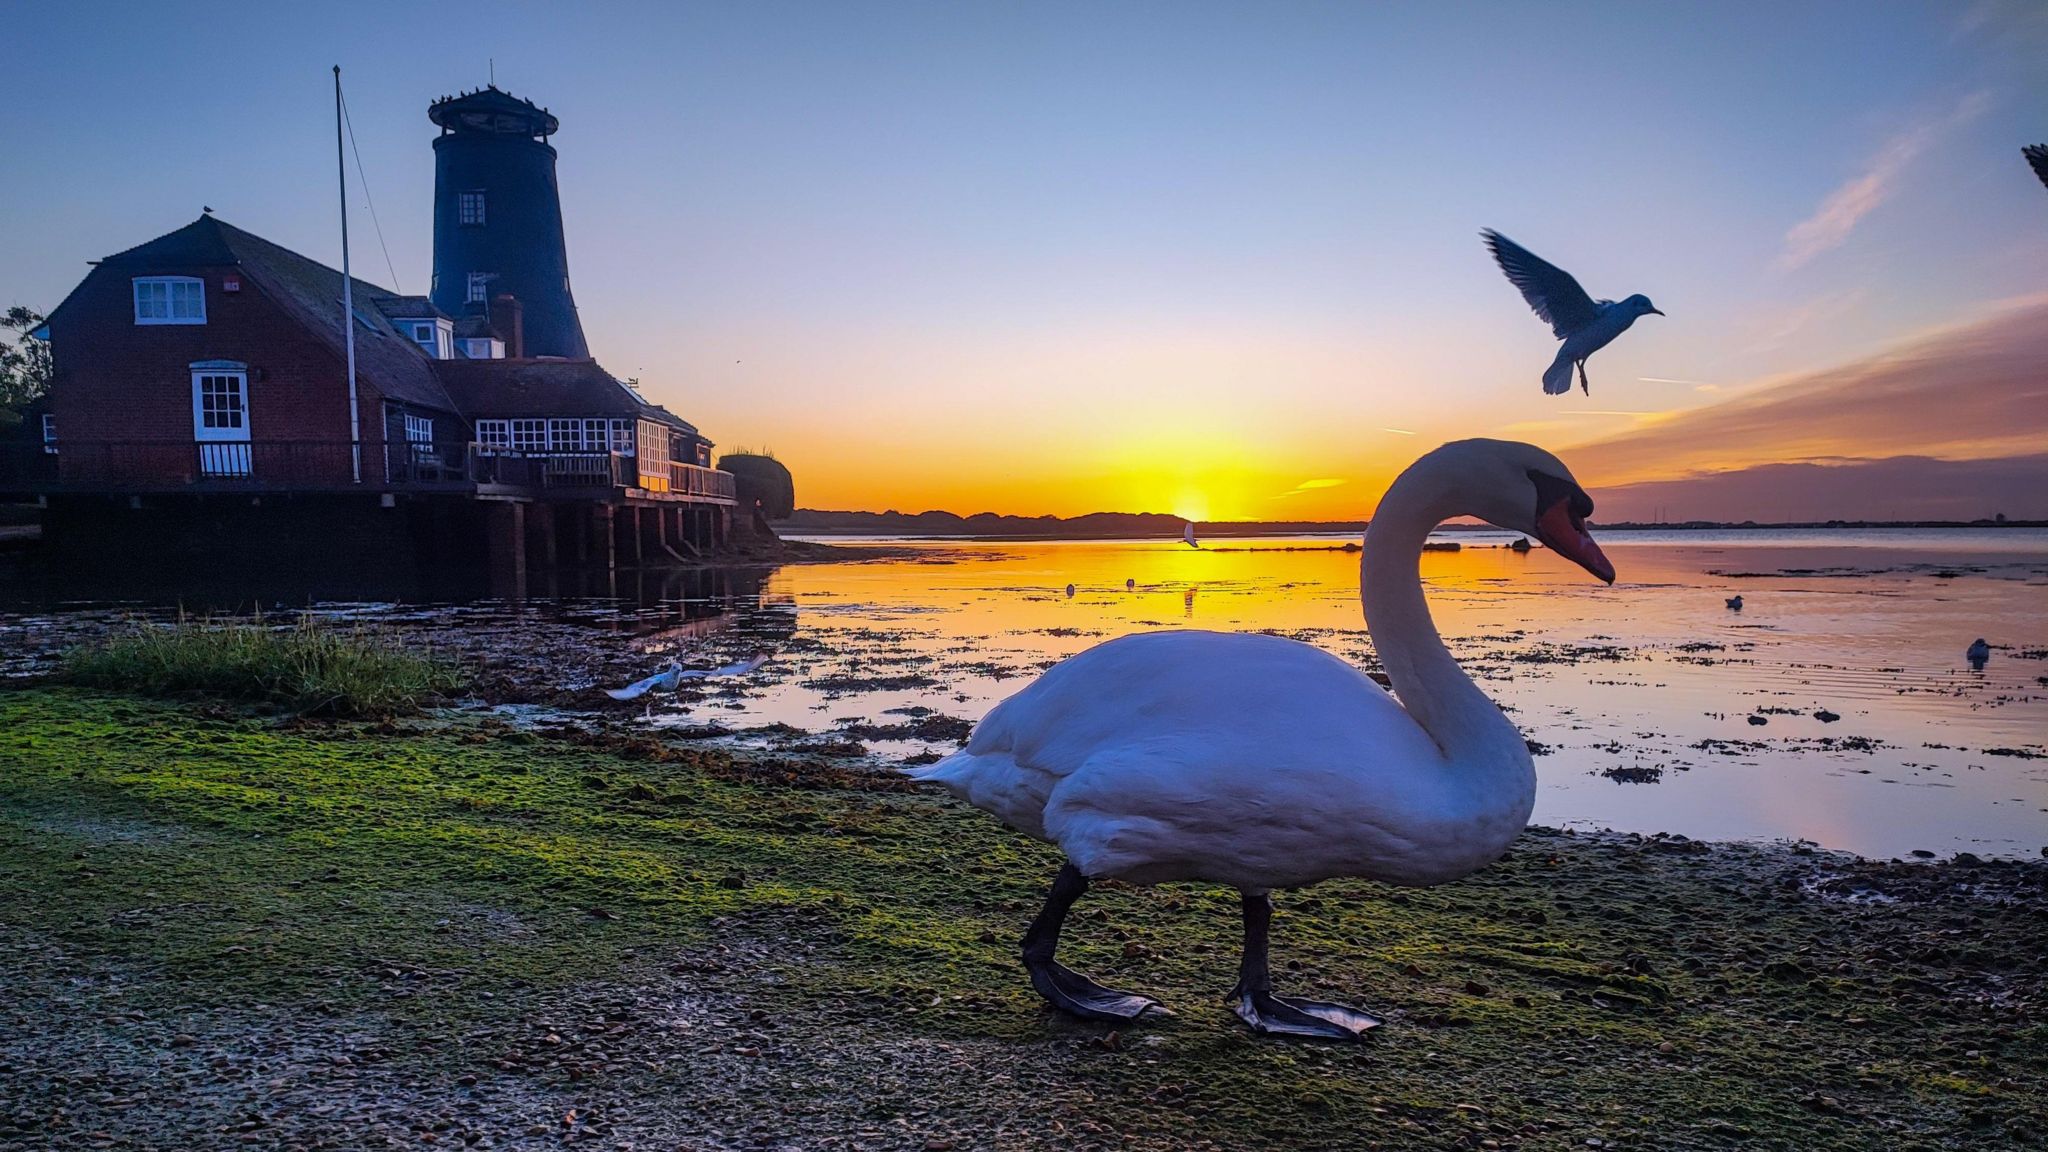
(207, 370)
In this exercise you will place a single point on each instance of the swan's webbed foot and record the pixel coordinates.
(1271, 1015)
(1064, 988)
(1077, 995)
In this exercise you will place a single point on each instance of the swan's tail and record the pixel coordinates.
(1557, 380)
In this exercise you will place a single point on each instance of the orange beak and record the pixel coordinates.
(1563, 532)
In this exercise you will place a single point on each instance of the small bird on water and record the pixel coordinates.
(1735, 603)
(1584, 324)
(2037, 156)
(1978, 654)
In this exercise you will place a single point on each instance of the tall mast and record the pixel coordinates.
(348, 296)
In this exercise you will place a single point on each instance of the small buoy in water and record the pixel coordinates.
(1735, 603)
(1826, 717)
(1756, 721)
(1978, 654)
(1130, 583)
(1070, 591)
(1521, 544)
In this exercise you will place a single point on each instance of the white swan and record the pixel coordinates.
(1265, 763)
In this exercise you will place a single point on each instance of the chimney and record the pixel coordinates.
(508, 320)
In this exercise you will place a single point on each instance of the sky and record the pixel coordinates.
(1214, 259)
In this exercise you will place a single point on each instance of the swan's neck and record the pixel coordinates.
(1461, 719)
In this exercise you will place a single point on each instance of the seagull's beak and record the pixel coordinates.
(1658, 311)
(1563, 531)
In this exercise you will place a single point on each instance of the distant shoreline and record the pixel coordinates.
(1153, 526)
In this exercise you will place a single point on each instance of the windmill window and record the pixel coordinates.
(49, 433)
(169, 300)
(469, 209)
(480, 286)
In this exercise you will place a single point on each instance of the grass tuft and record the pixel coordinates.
(307, 668)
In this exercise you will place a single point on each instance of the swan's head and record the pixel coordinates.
(1639, 305)
(1522, 488)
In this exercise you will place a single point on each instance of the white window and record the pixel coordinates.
(169, 300)
(469, 210)
(484, 348)
(49, 433)
(597, 436)
(565, 436)
(530, 435)
(622, 437)
(419, 430)
(480, 287)
(494, 433)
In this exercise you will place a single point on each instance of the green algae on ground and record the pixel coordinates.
(447, 878)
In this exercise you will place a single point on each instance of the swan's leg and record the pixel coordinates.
(1067, 990)
(1283, 1015)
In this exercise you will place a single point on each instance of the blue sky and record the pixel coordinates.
(1050, 257)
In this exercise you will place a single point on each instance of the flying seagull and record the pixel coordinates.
(671, 678)
(2037, 155)
(1584, 324)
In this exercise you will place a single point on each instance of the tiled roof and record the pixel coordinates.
(545, 387)
(310, 292)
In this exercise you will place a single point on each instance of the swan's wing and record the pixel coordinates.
(1550, 290)
(638, 688)
(2037, 156)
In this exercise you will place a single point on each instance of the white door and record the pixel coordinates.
(220, 422)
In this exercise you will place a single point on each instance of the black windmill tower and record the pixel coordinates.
(498, 217)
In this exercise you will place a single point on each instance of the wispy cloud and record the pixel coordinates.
(1311, 486)
(1845, 207)
(1669, 380)
(1398, 431)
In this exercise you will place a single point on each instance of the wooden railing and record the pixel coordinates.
(328, 465)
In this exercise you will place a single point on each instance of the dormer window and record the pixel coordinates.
(469, 208)
(170, 300)
(437, 337)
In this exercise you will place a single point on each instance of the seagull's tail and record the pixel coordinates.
(1557, 380)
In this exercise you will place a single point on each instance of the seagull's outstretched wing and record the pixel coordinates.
(1550, 290)
(1187, 535)
(638, 688)
(2037, 155)
(750, 664)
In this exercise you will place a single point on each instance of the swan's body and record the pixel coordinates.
(1239, 759)
(1266, 763)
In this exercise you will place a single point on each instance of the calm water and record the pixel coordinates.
(1642, 694)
